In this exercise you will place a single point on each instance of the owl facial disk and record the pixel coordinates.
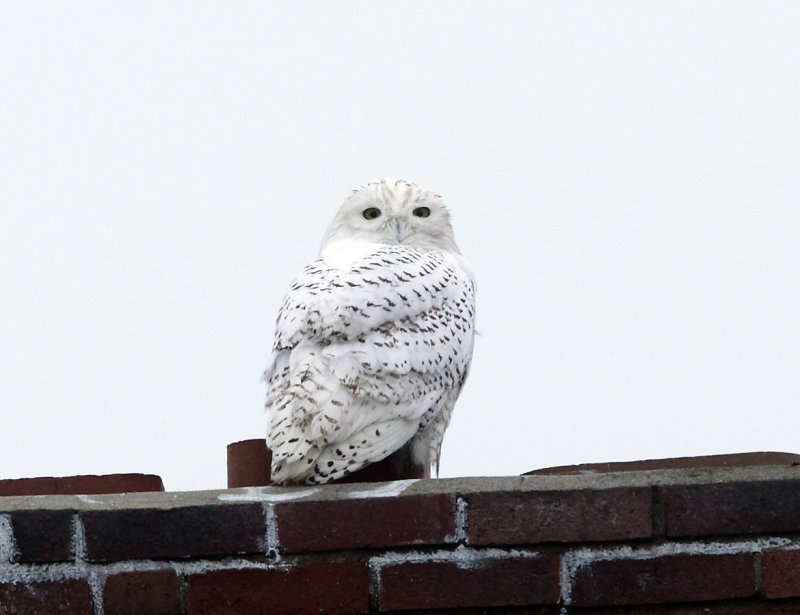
(394, 212)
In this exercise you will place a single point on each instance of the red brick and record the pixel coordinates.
(364, 523)
(483, 582)
(42, 535)
(191, 531)
(136, 593)
(67, 597)
(397, 466)
(526, 517)
(299, 590)
(759, 507)
(675, 463)
(781, 573)
(83, 484)
(665, 579)
(249, 463)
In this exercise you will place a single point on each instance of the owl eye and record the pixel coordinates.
(422, 212)
(370, 213)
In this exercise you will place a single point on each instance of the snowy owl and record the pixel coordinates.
(373, 340)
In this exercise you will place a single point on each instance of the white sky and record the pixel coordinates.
(624, 179)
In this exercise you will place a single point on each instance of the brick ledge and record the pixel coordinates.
(692, 540)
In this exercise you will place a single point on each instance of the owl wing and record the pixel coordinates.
(365, 358)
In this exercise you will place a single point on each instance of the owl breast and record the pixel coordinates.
(371, 352)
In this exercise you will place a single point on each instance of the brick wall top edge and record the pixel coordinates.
(462, 486)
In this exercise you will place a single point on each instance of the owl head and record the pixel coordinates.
(393, 211)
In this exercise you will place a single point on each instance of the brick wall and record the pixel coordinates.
(718, 541)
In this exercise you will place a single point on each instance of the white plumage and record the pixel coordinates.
(374, 339)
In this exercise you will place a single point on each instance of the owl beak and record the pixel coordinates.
(399, 229)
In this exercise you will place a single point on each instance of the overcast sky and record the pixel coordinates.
(624, 178)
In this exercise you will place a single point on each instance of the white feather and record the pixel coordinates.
(373, 340)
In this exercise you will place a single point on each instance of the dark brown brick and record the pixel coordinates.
(506, 610)
(477, 582)
(135, 593)
(364, 523)
(67, 597)
(665, 579)
(42, 535)
(191, 531)
(731, 460)
(83, 484)
(299, 590)
(526, 517)
(721, 607)
(781, 573)
(732, 508)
